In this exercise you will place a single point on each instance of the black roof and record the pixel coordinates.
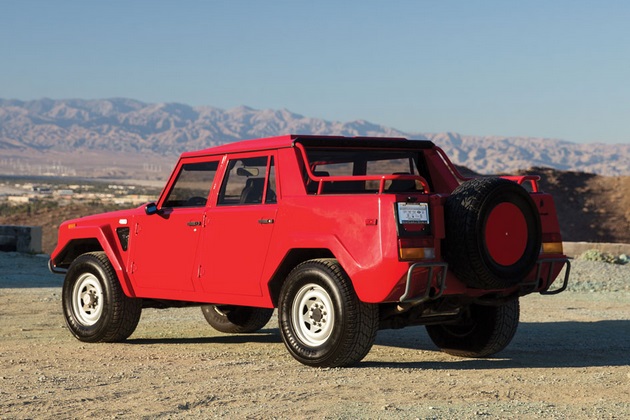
(364, 142)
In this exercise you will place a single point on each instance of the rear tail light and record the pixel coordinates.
(416, 249)
(551, 244)
(552, 248)
(415, 240)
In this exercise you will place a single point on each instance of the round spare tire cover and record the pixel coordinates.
(493, 233)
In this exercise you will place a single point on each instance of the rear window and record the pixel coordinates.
(352, 164)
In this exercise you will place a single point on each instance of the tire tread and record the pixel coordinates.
(463, 243)
(361, 321)
(124, 312)
(502, 328)
(254, 319)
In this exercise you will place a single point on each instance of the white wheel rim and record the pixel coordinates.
(313, 315)
(87, 299)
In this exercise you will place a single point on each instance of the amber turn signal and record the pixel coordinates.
(552, 248)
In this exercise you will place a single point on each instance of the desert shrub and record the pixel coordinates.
(36, 207)
(597, 255)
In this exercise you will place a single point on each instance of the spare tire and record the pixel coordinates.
(493, 233)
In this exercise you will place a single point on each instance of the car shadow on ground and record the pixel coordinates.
(535, 345)
(267, 335)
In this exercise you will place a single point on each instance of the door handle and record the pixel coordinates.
(265, 221)
(197, 223)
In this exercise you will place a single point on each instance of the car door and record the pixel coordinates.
(238, 229)
(164, 244)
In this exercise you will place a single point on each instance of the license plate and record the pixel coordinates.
(413, 213)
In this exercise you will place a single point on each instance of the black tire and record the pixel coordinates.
(485, 331)
(321, 319)
(94, 305)
(236, 319)
(493, 233)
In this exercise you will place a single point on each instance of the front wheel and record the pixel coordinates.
(321, 319)
(94, 305)
(484, 331)
(236, 319)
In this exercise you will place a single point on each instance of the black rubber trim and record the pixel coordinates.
(366, 142)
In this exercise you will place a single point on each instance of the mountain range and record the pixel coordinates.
(64, 131)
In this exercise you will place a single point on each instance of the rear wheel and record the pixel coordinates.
(485, 330)
(236, 319)
(94, 305)
(322, 321)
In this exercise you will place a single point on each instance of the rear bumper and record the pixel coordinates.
(433, 289)
(547, 269)
(427, 280)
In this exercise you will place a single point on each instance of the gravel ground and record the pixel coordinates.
(569, 359)
(595, 276)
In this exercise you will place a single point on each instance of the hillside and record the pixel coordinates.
(108, 137)
(128, 139)
(591, 208)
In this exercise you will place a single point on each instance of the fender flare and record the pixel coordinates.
(314, 246)
(104, 236)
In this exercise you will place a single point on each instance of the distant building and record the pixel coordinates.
(42, 190)
(20, 199)
(64, 193)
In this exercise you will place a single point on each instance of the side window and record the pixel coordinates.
(245, 181)
(192, 186)
(271, 185)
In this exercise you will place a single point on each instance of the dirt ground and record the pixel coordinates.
(569, 359)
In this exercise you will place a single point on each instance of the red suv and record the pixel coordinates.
(345, 236)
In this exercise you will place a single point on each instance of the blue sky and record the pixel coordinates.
(558, 69)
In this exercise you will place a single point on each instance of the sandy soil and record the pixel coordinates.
(570, 359)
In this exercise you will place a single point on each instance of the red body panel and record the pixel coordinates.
(230, 254)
